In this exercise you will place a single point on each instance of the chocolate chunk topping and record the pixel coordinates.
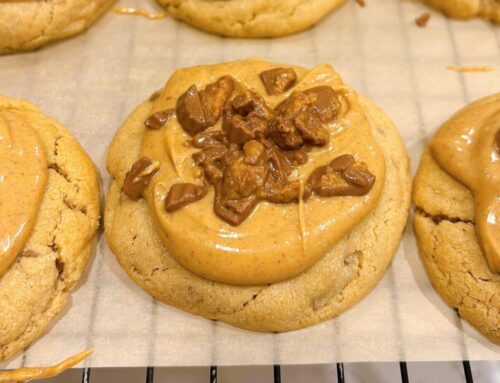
(158, 119)
(301, 116)
(183, 194)
(325, 102)
(234, 212)
(214, 97)
(278, 80)
(252, 156)
(190, 112)
(208, 139)
(241, 178)
(246, 118)
(197, 111)
(342, 177)
(139, 177)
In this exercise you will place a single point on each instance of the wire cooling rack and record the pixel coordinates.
(341, 377)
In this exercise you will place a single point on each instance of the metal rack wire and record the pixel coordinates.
(277, 373)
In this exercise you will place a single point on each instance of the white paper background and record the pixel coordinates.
(92, 82)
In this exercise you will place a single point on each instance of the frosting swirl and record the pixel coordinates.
(23, 175)
(467, 147)
(276, 241)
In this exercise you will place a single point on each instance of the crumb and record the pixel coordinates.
(423, 19)
(361, 3)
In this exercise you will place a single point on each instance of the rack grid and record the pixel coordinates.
(150, 372)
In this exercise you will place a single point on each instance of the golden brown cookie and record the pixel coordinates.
(346, 273)
(468, 9)
(445, 225)
(36, 286)
(251, 18)
(26, 25)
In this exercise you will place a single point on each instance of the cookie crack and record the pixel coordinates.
(58, 168)
(437, 219)
(43, 32)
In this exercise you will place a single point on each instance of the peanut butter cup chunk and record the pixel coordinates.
(181, 195)
(139, 177)
(214, 97)
(342, 177)
(247, 118)
(159, 119)
(325, 103)
(278, 80)
(197, 111)
(190, 112)
(208, 139)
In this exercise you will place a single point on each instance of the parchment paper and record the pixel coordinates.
(92, 82)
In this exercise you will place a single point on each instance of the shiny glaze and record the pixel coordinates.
(466, 147)
(276, 242)
(23, 175)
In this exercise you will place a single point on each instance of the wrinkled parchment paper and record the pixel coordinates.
(92, 82)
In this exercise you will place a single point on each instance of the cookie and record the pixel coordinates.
(445, 225)
(468, 9)
(340, 278)
(26, 25)
(250, 18)
(53, 257)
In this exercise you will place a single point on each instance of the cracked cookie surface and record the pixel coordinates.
(444, 225)
(467, 9)
(37, 285)
(250, 18)
(337, 281)
(29, 25)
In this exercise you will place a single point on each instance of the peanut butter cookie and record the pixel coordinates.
(286, 216)
(458, 244)
(468, 9)
(26, 25)
(46, 243)
(251, 18)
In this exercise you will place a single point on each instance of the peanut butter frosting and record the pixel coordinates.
(23, 175)
(468, 147)
(335, 170)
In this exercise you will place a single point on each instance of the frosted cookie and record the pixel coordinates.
(49, 215)
(251, 18)
(26, 25)
(266, 196)
(457, 220)
(468, 9)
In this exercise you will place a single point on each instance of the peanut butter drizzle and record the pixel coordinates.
(270, 245)
(23, 175)
(466, 147)
(470, 69)
(27, 374)
(140, 12)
